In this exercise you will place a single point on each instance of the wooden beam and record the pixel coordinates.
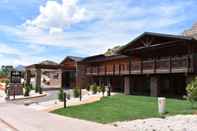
(161, 45)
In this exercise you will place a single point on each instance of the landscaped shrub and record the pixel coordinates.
(61, 95)
(7, 82)
(94, 88)
(27, 90)
(88, 88)
(102, 87)
(38, 89)
(76, 92)
(31, 86)
(192, 91)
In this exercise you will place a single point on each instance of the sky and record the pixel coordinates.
(35, 30)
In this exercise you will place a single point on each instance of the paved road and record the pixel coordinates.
(26, 119)
(5, 127)
(52, 95)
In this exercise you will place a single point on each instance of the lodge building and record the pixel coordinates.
(152, 64)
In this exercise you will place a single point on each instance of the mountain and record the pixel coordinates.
(20, 68)
(112, 51)
(192, 32)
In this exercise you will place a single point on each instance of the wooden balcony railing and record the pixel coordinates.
(165, 65)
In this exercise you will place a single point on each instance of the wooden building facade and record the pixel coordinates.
(152, 64)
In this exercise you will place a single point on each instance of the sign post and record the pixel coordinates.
(65, 101)
(15, 87)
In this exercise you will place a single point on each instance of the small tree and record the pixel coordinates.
(27, 90)
(76, 92)
(94, 88)
(192, 91)
(37, 89)
(61, 95)
(102, 87)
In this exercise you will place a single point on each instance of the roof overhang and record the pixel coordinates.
(169, 37)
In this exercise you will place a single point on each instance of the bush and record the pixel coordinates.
(31, 86)
(103, 89)
(27, 90)
(38, 89)
(88, 88)
(6, 82)
(76, 92)
(94, 88)
(61, 95)
(192, 91)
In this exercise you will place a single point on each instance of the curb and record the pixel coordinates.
(9, 125)
(29, 97)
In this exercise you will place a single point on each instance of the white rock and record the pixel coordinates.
(172, 123)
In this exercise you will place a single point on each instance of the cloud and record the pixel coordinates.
(90, 27)
(5, 49)
(57, 16)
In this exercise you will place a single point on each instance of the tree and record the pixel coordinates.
(61, 95)
(5, 70)
(192, 91)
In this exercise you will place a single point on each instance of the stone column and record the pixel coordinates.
(28, 77)
(132, 80)
(126, 85)
(154, 86)
(38, 78)
(60, 72)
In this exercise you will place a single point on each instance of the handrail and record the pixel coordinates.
(155, 65)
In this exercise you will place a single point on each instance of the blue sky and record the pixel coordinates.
(36, 30)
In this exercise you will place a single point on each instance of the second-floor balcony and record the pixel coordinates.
(181, 64)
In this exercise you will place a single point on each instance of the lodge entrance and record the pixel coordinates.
(68, 79)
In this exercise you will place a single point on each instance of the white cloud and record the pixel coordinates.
(5, 49)
(58, 16)
(109, 23)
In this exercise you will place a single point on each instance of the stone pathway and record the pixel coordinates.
(26, 119)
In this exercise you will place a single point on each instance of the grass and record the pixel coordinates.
(121, 108)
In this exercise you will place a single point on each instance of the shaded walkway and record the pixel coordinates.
(25, 119)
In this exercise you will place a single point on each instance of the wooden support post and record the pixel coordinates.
(141, 68)
(154, 86)
(129, 65)
(80, 97)
(113, 69)
(155, 65)
(170, 66)
(109, 88)
(105, 70)
(119, 65)
(127, 85)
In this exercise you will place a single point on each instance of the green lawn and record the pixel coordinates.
(120, 108)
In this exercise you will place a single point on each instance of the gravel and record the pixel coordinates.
(172, 123)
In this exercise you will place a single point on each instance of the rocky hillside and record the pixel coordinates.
(191, 32)
(112, 51)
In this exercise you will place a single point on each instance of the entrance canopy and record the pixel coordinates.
(45, 65)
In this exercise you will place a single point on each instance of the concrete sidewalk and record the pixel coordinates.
(26, 119)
